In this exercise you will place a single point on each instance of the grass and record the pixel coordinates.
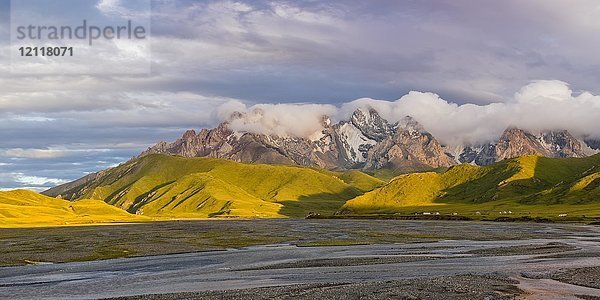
(495, 210)
(22, 246)
(27, 209)
(169, 186)
(158, 187)
(526, 186)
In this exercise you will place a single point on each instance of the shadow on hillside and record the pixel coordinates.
(542, 167)
(141, 200)
(548, 174)
(559, 176)
(114, 197)
(323, 203)
(482, 189)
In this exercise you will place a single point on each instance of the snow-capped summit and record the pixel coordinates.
(370, 124)
(369, 142)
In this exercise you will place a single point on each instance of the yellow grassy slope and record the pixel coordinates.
(22, 208)
(530, 183)
(177, 187)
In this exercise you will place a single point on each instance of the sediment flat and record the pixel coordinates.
(545, 262)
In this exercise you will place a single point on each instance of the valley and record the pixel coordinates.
(172, 187)
(303, 258)
(300, 150)
(365, 166)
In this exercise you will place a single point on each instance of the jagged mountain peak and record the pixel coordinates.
(371, 124)
(409, 123)
(551, 143)
(592, 143)
(366, 115)
(515, 142)
(562, 142)
(368, 141)
(189, 134)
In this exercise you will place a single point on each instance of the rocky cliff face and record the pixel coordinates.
(222, 142)
(409, 147)
(516, 142)
(365, 141)
(592, 143)
(369, 142)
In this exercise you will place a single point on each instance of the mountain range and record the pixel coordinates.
(171, 186)
(221, 172)
(526, 183)
(167, 186)
(369, 142)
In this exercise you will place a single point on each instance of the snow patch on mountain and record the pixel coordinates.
(356, 144)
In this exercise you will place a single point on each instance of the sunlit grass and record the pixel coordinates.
(29, 209)
(525, 186)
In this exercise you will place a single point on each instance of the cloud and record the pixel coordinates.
(108, 6)
(131, 10)
(207, 53)
(540, 105)
(468, 52)
(48, 153)
(22, 181)
(44, 169)
(38, 181)
(32, 153)
(277, 119)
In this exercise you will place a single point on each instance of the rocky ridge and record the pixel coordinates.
(368, 142)
(516, 142)
(365, 141)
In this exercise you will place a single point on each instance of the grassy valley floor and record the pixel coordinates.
(84, 243)
(305, 259)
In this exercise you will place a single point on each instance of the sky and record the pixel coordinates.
(476, 65)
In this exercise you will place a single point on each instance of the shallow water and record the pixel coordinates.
(229, 269)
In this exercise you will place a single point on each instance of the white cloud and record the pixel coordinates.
(33, 153)
(541, 105)
(118, 8)
(544, 90)
(46, 153)
(107, 6)
(32, 119)
(278, 119)
(38, 180)
(23, 181)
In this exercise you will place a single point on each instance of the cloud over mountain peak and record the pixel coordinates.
(540, 105)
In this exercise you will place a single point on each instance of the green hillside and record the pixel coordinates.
(169, 186)
(25, 209)
(176, 187)
(526, 185)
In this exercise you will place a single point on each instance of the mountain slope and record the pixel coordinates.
(22, 208)
(516, 142)
(163, 185)
(365, 141)
(368, 142)
(528, 180)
